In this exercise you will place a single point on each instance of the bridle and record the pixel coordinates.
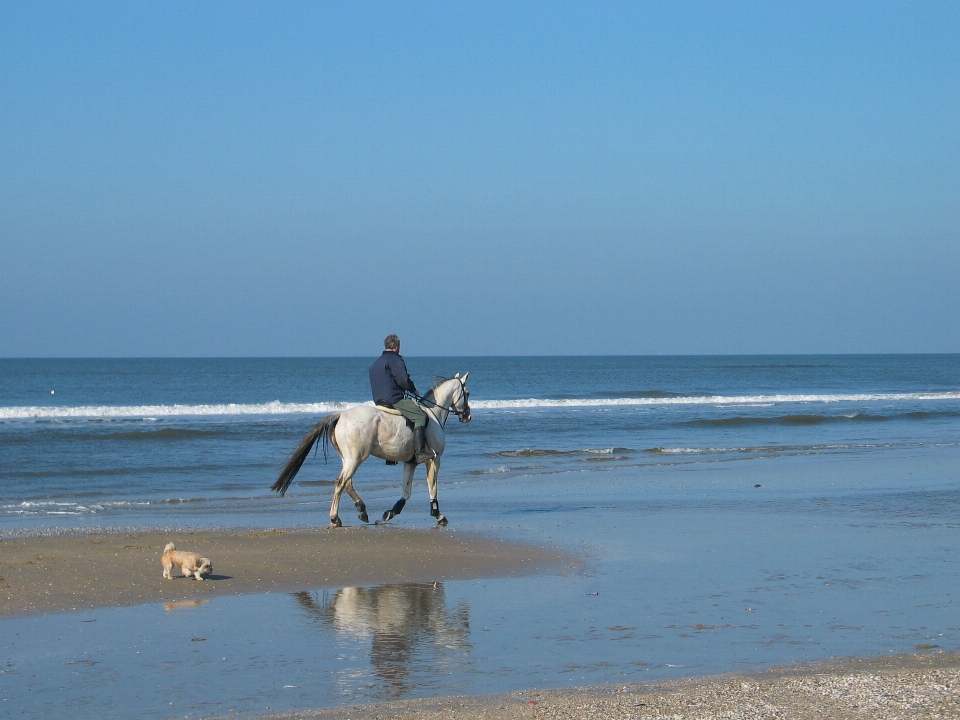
(462, 415)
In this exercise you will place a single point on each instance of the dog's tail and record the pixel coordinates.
(169, 547)
(318, 433)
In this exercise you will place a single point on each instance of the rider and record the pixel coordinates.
(388, 381)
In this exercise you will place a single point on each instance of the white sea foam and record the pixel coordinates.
(718, 400)
(50, 507)
(151, 412)
(764, 449)
(61, 507)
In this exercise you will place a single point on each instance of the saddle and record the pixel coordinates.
(393, 411)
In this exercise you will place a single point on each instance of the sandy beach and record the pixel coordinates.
(53, 574)
(906, 686)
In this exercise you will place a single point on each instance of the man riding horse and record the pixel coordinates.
(362, 431)
(390, 382)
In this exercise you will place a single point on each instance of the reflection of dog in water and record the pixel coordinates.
(190, 563)
(181, 604)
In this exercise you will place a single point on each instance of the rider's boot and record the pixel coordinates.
(423, 453)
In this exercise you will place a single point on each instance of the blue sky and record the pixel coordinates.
(194, 179)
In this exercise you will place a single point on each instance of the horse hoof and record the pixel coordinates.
(442, 521)
(388, 515)
(335, 522)
(364, 517)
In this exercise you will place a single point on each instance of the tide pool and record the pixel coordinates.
(690, 569)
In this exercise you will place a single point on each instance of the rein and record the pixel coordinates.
(452, 408)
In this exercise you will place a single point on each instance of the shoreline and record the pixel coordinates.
(65, 573)
(881, 688)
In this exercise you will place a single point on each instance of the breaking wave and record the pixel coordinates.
(774, 449)
(810, 419)
(74, 507)
(162, 434)
(529, 453)
(543, 452)
(280, 408)
(147, 412)
(714, 400)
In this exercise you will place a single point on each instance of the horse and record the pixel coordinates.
(366, 430)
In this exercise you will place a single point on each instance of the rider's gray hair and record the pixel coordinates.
(391, 342)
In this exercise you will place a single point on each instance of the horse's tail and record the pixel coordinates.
(318, 433)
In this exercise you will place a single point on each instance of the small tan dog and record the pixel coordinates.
(190, 563)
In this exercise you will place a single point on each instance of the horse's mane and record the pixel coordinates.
(439, 381)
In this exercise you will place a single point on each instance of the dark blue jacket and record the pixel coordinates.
(389, 378)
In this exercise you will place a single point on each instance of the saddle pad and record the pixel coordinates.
(389, 411)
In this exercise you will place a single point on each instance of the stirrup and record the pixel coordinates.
(423, 455)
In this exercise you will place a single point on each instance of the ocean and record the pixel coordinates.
(733, 512)
(197, 442)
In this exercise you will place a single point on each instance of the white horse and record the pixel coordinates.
(367, 430)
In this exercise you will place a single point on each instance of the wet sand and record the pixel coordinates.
(908, 686)
(55, 574)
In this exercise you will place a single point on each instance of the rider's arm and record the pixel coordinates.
(399, 369)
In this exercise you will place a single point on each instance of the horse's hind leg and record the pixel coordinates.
(433, 469)
(345, 482)
(335, 505)
(408, 469)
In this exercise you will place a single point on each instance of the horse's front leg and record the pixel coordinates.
(433, 468)
(408, 468)
(361, 506)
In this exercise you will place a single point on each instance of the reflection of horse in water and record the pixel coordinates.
(403, 621)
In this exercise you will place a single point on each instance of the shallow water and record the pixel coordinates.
(197, 443)
(691, 571)
(734, 513)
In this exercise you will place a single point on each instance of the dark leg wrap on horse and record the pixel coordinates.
(434, 508)
(362, 509)
(395, 510)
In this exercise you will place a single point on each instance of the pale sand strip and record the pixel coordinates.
(55, 574)
(909, 686)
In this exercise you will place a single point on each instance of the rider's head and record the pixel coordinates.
(392, 343)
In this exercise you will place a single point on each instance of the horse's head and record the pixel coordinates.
(461, 399)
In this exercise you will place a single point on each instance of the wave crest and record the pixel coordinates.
(810, 419)
(280, 408)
